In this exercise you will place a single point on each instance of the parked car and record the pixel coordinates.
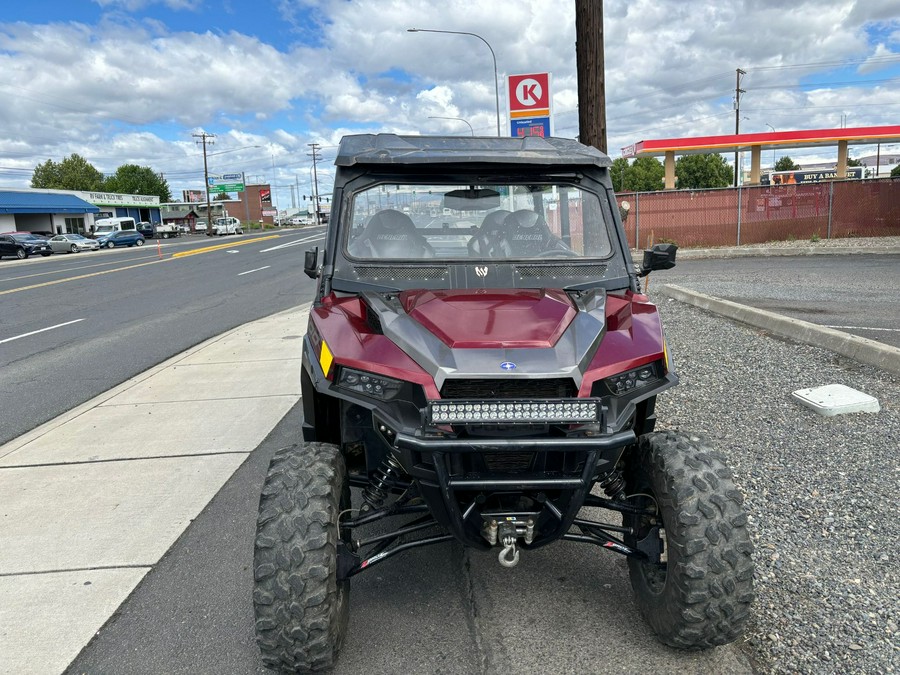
(72, 243)
(23, 244)
(121, 238)
(146, 229)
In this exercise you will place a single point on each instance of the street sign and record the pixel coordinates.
(226, 187)
(226, 182)
(530, 101)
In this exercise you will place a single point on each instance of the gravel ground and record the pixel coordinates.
(821, 492)
(856, 242)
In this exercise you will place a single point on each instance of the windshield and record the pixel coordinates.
(104, 229)
(516, 221)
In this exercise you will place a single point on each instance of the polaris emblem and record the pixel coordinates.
(481, 271)
(508, 365)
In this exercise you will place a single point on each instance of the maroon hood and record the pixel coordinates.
(516, 318)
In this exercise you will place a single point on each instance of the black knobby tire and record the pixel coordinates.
(301, 608)
(701, 596)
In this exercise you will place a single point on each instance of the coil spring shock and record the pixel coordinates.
(382, 479)
(613, 484)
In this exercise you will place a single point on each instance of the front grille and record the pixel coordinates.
(508, 462)
(393, 273)
(509, 388)
(554, 271)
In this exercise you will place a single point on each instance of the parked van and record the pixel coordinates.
(110, 225)
(228, 225)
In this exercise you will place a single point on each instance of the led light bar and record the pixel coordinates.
(545, 411)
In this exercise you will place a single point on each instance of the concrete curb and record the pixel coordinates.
(50, 425)
(750, 252)
(852, 346)
(773, 251)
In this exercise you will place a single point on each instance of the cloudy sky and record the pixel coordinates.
(131, 81)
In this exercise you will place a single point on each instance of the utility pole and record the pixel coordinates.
(315, 156)
(737, 118)
(203, 136)
(591, 73)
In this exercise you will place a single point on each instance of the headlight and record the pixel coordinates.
(627, 382)
(368, 384)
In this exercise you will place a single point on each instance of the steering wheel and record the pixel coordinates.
(560, 252)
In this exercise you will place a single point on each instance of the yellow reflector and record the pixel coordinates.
(325, 358)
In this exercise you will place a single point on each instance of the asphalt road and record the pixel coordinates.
(858, 294)
(74, 325)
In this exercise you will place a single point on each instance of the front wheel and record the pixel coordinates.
(110, 244)
(73, 248)
(301, 608)
(21, 253)
(699, 595)
(139, 242)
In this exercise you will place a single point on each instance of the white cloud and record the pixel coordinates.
(128, 89)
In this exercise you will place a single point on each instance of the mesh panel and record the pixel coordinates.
(553, 271)
(385, 273)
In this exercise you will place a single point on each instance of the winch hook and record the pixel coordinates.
(509, 555)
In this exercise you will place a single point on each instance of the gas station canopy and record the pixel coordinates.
(669, 147)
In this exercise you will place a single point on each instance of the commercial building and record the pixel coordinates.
(61, 211)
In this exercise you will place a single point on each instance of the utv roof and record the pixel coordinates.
(394, 149)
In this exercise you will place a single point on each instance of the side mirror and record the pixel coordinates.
(311, 263)
(659, 257)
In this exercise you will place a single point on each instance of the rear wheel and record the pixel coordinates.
(700, 596)
(301, 608)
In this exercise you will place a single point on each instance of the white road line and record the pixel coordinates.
(294, 243)
(256, 270)
(35, 332)
(890, 330)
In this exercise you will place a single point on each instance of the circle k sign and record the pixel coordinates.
(529, 92)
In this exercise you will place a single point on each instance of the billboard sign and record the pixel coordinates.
(265, 196)
(795, 177)
(226, 182)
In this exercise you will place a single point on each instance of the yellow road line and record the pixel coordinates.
(82, 276)
(128, 267)
(231, 244)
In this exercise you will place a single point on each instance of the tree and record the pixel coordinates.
(222, 197)
(646, 174)
(72, 173)
(786, 164)
(703, 171)
(895, 171)
(617, 173)
(855, 162)
(138, 180)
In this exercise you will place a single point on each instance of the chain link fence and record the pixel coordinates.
(758, 214)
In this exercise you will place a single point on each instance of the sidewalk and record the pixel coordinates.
(92, 500)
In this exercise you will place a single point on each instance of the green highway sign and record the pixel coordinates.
(227, 187)
(226, 182)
